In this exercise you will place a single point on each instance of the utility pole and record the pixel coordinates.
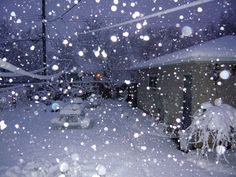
(44, 50)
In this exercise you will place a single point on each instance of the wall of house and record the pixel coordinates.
(166, 100)
(204, 88)
(227, 89)
(207, 90)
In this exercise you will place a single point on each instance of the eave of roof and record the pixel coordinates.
(222, 49)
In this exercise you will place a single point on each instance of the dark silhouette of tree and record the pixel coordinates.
(227, 23)
(20, 48)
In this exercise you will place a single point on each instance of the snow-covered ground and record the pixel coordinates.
(122, 141)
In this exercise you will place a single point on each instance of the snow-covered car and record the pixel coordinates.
(72, 116)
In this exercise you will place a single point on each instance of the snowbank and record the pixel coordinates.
(117, 146)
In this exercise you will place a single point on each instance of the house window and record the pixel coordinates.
(153, 81)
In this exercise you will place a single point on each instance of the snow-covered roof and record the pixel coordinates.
(223, 48)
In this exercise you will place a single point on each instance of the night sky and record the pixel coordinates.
(28, 11)
(25, 15)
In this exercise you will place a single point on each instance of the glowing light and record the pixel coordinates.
(55, 106)
(98, 75)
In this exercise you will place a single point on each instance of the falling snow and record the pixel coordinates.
(187, 31)
(114, 38)
(3, 125)
(139, 26)
(114, 8)
(225, 74)
(13, 14)
(65, 42)
(125, 34)
(118, 88)
(32, 47)
(55, 67)
(81, 53)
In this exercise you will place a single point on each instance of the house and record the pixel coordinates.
(173, 86)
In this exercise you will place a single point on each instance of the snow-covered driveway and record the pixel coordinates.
(122, 140)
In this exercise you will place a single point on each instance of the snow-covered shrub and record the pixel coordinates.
(213, 128)
(94, 100)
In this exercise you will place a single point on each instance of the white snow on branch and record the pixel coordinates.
(18, 71)
(213, 128)
(9, 74)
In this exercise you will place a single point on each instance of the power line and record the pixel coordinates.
(21, 40)
(44, 57)
(158, 14)
(62, 15)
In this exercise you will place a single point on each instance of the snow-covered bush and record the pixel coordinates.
(94, 100)
(212, 129)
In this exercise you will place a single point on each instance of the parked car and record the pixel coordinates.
(72, 116)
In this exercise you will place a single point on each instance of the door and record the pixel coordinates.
(187, 101)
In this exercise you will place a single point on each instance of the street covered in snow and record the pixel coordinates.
(124, 141)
